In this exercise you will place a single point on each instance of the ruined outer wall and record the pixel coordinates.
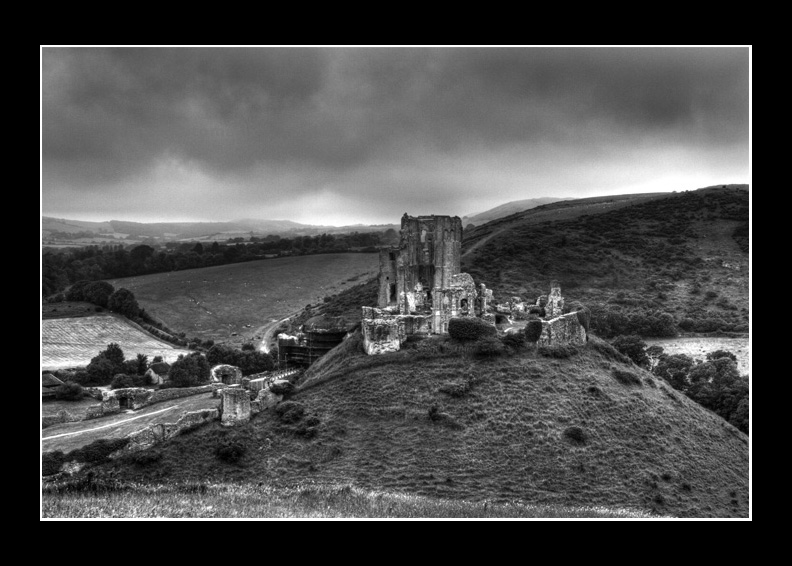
(565, 329)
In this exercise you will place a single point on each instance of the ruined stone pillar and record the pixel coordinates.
(235, 406)
(555, 302)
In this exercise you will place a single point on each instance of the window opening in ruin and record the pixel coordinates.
(123, 402)
(463, 304)
(392, 294)
(392, 256)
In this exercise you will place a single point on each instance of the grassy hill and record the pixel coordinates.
(437, 421)
(685, 254)
(506, 209)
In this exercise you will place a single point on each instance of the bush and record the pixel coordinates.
(69, 392)
(248, 347)
(290, 411)
(533, 331)
(634, 348)
(231, 451)
(575, 435)
(456, 390)
(584, 318)
(515, 340)
(100, 371)
(559, 351)
(189, 371)
(122, 381)
(98, 450)
(145, 458)
(51, 462)
(98, 292)
(626, 377)
(468, 329)
(77, 291)
(282, 388)
(489, 347)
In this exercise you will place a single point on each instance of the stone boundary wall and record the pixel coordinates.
(141, 398)
(154, 434)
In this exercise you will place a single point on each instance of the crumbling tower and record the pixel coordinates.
(427, 258)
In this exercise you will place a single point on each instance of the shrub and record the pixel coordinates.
(575, 435)
(290, 411)
(69, 392)
(282, 388)
(533, 331)
(718, 354)
(584, 318)
(453, 389)
(122, 381)
(515, 340)
(248, 347)
(231, 451)
(625, 377)
(559, 351)
(51, 462)
(77, 291)
(489, 347)
(98, 450)
(633, 347)
(433, 413)
(469, 329)
(145, 458)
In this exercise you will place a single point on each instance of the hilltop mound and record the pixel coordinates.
(437, 421)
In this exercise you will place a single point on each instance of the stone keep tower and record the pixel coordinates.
(427, 258)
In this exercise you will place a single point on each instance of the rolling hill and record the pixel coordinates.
(506, 209)
(438, 421)
(631, 259)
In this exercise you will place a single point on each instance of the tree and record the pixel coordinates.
(674, 369)
(100, 371)
(98, 292)
(142, 363)
(77, 291)
(123, 302)
(189, 371)
(654, 353)
(633, 347)
(114, 353)
(69, 391)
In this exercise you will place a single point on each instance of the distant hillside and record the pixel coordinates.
(58, 229)
(506, 210)
(436, 421)
(630, 258)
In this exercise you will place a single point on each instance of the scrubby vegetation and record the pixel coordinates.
(248, 360)
(640, 269)
(470, 329)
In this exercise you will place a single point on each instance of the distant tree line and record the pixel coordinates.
(92, 263)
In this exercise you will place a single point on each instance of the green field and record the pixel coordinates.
(698, 348)
(218, 302)
(72, 342)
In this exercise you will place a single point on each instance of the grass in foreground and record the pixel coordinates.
(303, 501)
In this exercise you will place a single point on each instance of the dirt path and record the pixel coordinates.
(267, 331)
(70, 436)
(109, 425)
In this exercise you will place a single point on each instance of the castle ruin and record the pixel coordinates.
(421, 288)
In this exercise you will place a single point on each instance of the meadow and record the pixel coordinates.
(223, 500)
(698, 348)
(230, 303)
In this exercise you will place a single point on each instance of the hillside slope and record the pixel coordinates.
(684, 254)
(526, 427)
(506, 209)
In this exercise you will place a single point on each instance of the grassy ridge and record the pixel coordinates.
(683, 254)
(562, 432)
(306, 501)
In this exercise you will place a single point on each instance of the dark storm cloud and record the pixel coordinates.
(354, 122)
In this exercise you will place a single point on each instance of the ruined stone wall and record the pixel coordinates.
(562, 330)
(555, 302)
(387, 277)
(154, 434)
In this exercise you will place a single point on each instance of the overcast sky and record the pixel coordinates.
(362, 135)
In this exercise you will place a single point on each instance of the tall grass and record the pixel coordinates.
(303, 501)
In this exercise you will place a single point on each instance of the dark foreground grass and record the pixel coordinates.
(303, 501)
